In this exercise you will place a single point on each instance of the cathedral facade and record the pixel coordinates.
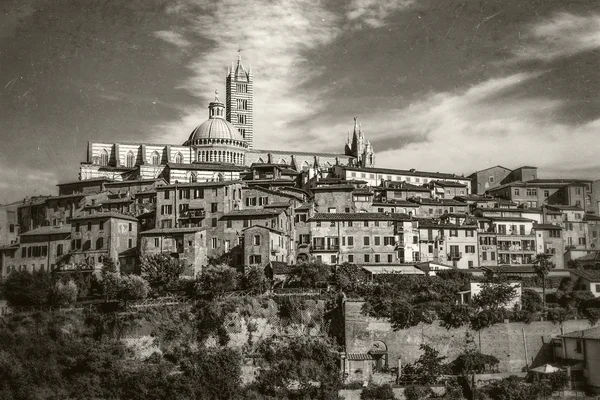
(219, 148)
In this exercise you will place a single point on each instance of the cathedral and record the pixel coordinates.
(220, 148)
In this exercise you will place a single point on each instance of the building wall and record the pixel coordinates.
(187, 246)
(488, 179)
(442, 246)
(553, 245)
(340, 200)
(9, 228)
(374, 178)
(505, 340)
(17, 261)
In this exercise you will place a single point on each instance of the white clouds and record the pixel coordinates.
(172, 37)
(275, 34)
(374, 12)
(562, 35)
(484, 126)
(16, 183)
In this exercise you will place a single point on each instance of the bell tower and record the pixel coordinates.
(239, 99)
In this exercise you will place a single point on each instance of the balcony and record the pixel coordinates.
(440, 238)
(455, 256)
(193, 214)
(325, 248)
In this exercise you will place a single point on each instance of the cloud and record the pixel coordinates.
(18, 182)
(374, 12)
(490, 123)
(172, 37)
(278, 36)
(562, 35)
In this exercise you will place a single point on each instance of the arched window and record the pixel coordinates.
(179, 158)
(104, 158)
(130, 160)
(193, 177)
(155, 158)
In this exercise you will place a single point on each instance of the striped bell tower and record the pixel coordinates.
(239, 99)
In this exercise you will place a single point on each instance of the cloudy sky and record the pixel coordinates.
(439, 85)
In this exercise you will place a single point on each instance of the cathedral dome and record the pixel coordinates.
(215, 128)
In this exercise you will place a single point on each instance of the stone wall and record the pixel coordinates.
(506, 341)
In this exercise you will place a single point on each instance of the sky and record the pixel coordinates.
(438, 85)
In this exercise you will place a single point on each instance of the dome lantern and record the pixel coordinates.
(216, 109)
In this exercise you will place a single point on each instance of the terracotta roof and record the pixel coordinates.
(363, 191)
(104, 215)
(593, 276)
(358, 356)
(279, 204)
(591, 217)
(515, 219)
(406, 172)
(431, 224)
(395, 203)
(359, 217)
(49, 230)
(304, 207)
(252, 212)
(547, 227)
(438, 202)
(117, 200)
(560, 207)
(334, 187)
(95, 180)
(449, 184)
(591, 333)
(160, 231)
(198, 185)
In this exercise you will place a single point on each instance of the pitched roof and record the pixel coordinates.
(593, 276)
(591, 333)
(359, 217)
(304, 207)
(406, 172)
(437, 202)
(198, 185)
(547, 227)
(252, 212)
(509, 219)
(104, 215)
(395, 203)
(561, 207)
(432, 224)
(338, 186)
(449, 184)
(49, 230)
(95, 180)
(160, 231)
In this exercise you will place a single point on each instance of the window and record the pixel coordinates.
(350, 240)
(246, 223)
(350, 224)
(77, 227)
(130, 243)
(130, 161)
(377, 258)
(255, 259)
(332, 223)
(242, 119)
(241, 87)
(470, 249)
(546, 193)
(156, 242)
(579, 346)
(179, 158)
(104, 158)
(214, 222)
(453, 232)
(319, 258)
(333, 259)
(214, 207)
(390, 258)
(256, 240)
(516, 192)
(470, 264)
(59, 250)
(491, 179)
(521, 229)
(376, 223)
(213, 243)
(578, 191)
(377, 240)
(469, 233)
(582, 241)
(366, 258)
(101, 225)
(184, 194)
(484, 256)
(493, 256)
(23, 252)
(229, 223)
(11, 228)
(366, 223)
(166, 209)
(130, 227)
(155, 158)
(198, 193)
(531, 192)
(430, 249)
(350, 258)
(366, 241)
(347, 209)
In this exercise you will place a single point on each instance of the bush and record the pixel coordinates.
(133, 287)
(417, 392)
(377, 392)
(23, 288)
(531, 301)
(65, 293)
(217, 279)
(162, 271)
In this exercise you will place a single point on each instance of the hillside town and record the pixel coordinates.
(216, 200)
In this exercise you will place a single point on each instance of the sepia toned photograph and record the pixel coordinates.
(295, 199)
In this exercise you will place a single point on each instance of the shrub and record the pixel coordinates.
(217, 279)
(133, 287)
(377, 392)
(162, 271)
(417, 392)
(24, 288)
(65, 293)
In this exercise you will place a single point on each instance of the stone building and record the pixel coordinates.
(185, 244)
(549, 241)
(438, 207)
(99, 236)
(9, 224)
(448, 243)
(263, 245)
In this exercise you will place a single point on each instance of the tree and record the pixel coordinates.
(417, 392)
(429, 368)
(309, 275)
(64, 293)
(531, 301)
(542, 267)
(24, 288)
(162, 271)
(219, 279)
(351, 278)
(133, 287)
(255, 279)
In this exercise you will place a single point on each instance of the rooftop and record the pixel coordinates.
(160, 231)
(411, 172)
(547, 227)
(104, 215)
(449, 184)
(49, 230)
(95, 180)
(593, 276)
(437, 202)
(256, 212)
(591, 333)
(198, 185)
(208, 167)
(299, 153)
(359, 217)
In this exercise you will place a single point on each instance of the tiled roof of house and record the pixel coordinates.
(560, 207)
(591, 333)
(117, 200)
(95, 180)
(591, 217)
(161, 231)
(395, 203)
(406, 172)
(431, 224)
(437, 202)
(402, 187)
(49, 230)
(337, 186)
(104, 215)
(198, 185)
(449, 184)
(592, 276)
(304, 207)
(252, 212)
(278, 204)
(547, 227)
(509, 219)
(359, 217)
